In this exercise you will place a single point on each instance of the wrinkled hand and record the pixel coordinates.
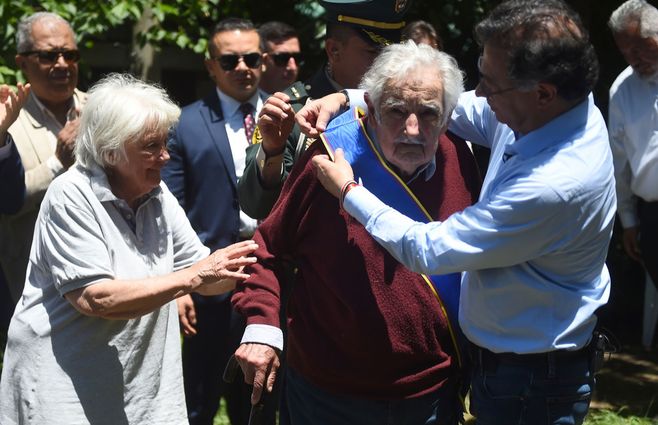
(333, 175)
(259, 363)
(220, 271)
(314, 116)
(66, 142)
(275, 122)
(631, 244)
(10, 106)
(186, 315)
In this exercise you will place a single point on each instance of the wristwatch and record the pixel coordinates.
(346, 106)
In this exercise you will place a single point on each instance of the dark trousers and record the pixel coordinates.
(534, 389)
(219, 330)
(6, 310)
(310, 405)
(648, 215)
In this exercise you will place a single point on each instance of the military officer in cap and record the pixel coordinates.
(356, 32)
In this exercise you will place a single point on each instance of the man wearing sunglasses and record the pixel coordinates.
(281, 58)
(207, 150)
(45, 130)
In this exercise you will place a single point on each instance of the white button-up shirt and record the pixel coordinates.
(633, 126)
(234, 124)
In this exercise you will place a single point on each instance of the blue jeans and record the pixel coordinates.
(534, 389)
(310, 405)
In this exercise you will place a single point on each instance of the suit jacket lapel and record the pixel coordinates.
(35, 118)
(211, 112)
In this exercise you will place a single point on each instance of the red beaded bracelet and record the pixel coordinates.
(347, 186)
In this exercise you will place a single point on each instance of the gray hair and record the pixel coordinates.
(545, 41)
(397, 60)
(24, 40)
(635, 11)
(121, 109)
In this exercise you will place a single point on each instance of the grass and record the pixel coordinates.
(221, 418)
(608, 417)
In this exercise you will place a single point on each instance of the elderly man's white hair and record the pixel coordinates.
(396, 61)
(635, 11)
(24, 40)
(121, 109)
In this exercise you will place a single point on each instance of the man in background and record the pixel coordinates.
(633, 124)
(12, 183)
(45, 130)
(12, 189)
(282, 56)
(207, 150)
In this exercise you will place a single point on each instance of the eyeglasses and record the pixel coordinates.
(229, 62)
(281, 59)
(52, 56)
(489, 94)
(483, 86)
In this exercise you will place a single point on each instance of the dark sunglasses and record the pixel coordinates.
(230, 61)
(281, 59)
(51, 56)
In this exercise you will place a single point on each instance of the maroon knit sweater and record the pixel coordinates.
(359, 322)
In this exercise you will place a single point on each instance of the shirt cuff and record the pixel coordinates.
(262, 161)
(55, 166)
(361, 204)
(5, 150)
(263, 334)
(356, 98)
(628, 219)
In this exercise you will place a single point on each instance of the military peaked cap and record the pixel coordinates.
(379, 22)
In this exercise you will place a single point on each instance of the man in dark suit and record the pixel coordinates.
(356, 32)
(207, 151)
(12, 183)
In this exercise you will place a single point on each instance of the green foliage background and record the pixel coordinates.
(180, 23)
(186, 23)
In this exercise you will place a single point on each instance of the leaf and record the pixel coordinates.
(182, 41)
(119, 11)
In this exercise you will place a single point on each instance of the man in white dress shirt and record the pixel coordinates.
(633, 126)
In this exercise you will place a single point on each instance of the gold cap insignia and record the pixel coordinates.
(377, 38)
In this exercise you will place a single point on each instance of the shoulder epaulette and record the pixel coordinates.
(297, 93)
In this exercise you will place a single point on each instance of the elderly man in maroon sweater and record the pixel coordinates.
(368, 340)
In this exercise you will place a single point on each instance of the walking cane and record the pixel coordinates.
(257, 410)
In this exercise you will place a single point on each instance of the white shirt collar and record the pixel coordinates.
(46, 112)
(230, 106)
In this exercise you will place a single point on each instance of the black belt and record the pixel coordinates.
(490, 360)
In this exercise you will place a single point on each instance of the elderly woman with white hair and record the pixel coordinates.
(95, 336)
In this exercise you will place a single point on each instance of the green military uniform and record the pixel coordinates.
(256, 200)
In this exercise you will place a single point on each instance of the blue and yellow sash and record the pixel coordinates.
(349, 133)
